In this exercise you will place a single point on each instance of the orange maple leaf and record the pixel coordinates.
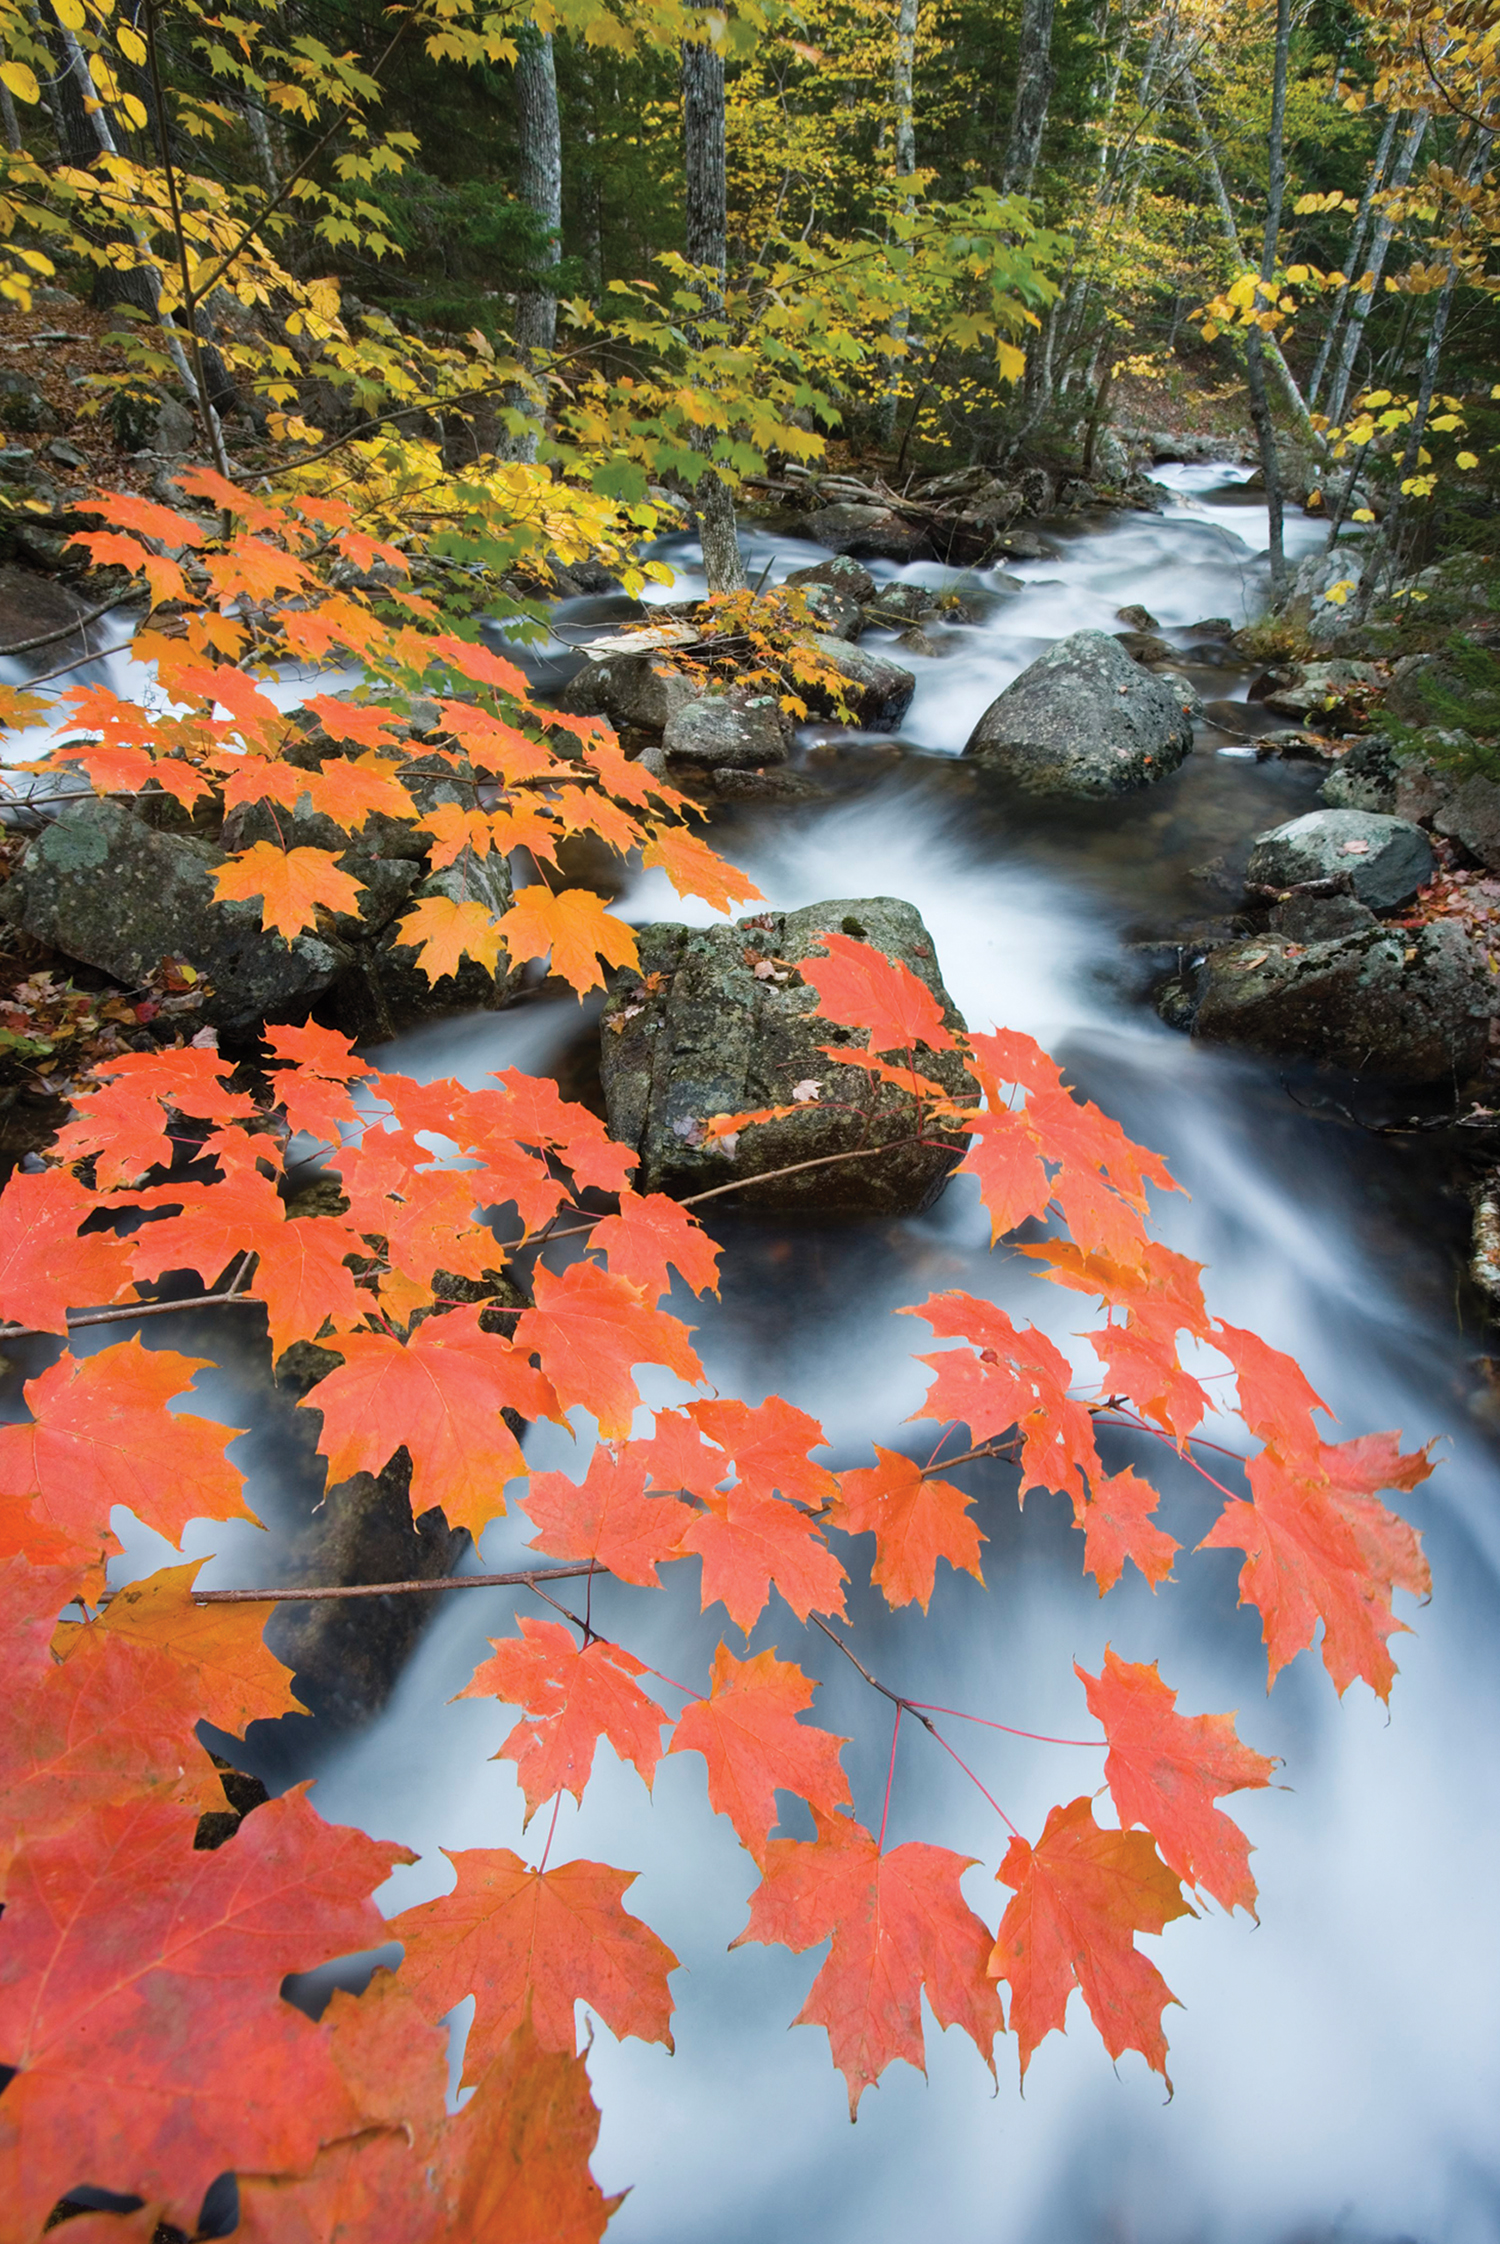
(450, 932)
(236, 1677)
(46, 1269)
(291, 884)
(1116, 1525)
(696, 870)
(748, 1733)
(900, 1927)
(1165, 1770)
(574, 926)
(915, 1521)
(651, 1233)
(607, 1518)
(748, 1542)
(589, 1327)
(1081, 1895)
(519, 1939)
(1006, 1379)
(572, 1696)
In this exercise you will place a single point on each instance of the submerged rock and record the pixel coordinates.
(729, 1028)
(1405, 1008)
(1084, 720)
(1385, 860)
(101, 887)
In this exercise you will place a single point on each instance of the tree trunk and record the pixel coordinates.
(1338, 395)
(707, 228)
(541, 179)
(1254, 348)
(906, 164)
(1356, 251)
(1028, 117)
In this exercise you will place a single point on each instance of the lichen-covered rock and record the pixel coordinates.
(1364, 778)
(877, 691)
(723, 733)
(101, 887)
(1376, 1003)
(729, 1028)
(1385, 860)
(841, 572)
(639, 690)
(1472, 816)
(387, 990)
(1084, 720)
(838, 614)
(1321, 686)
(869, 533)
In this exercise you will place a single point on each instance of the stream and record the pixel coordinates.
(1335, 2068)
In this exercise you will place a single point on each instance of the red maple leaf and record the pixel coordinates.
(589, 1327)
(650, 1233)
(608, 1517)
(748, 1733)
(915, 1522)
(1081, 1895)
(439, 1395)
(747, 1542)
(862, 988)
(1165, 1770)
(521, 1940)
(900, 1927)
(1006, 1379)
(140, 1988)
(769, 1443)
(1116, 1525)
(573, 1695)
(46, 1269)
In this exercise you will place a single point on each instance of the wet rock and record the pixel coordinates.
(1405, 1008)
(24, 408)
(1111, 459)
(1385, 860)
(1084, 720)
(1137, 618)
(878, 691)
(389, 990)
(869, 533)
(634, 689)
(1076, 494)
(1484, 1264)
(1166, 445)
(1364, 777)
(1321, 919)
(720, 732)
(101, 887)
(896, 604)
(767, 787)
(1191, 701)
(843, 574)
(1472, 816)
(1321, 686)
(1145, 646)
(1024, 545)
(30, 605)
(841, 616)
(731, 1028)
(1207, 627)
(919, 642)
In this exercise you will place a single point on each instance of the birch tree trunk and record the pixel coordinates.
(541, 178)
(1028, 118)
(906, 164)
(1338, 395)
(1356, 250)
(707, 228)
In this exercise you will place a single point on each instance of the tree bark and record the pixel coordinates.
(541, 179)
(1028, 117)
(707, 246)
(1338, 395)
(1254, 345)
(1356, 250)
(906, 164)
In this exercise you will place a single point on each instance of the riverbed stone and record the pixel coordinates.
(878, 692)
(1472, 816)
(869, 533)
(729, 1027)
(1084, 720)
(839, 615)
(102, 887)
(639, 690)
(1364, 777)
(1406, 1008)
(1321, 686)
(1385, 860)
(723, 733)
(843, 573)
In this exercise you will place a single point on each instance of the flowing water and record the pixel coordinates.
(1335, 2067)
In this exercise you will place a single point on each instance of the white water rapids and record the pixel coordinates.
(1337, 2067)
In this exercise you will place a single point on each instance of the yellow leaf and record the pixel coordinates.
(21, 81)
(1339, 593)
(291, 884)
(1468, 459)
(132, 45)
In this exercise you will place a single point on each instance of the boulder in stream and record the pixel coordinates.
(1472, 816)
(1084, 720)
(877, 691)
(841, 572)
(718, 1021)
(1404, 1008)
(869, 533)
(1384, 860)
(725, 733)
(636, 690)
(99, 885)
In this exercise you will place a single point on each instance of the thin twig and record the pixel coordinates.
(527, 1578)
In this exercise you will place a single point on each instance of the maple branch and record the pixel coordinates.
(906, 1706)
(526, 1578)
(131, 1309)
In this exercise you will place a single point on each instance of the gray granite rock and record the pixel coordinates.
(842, 572)
(636, 689)
(1380, 1002)
(1472, 816)
(869, 533)
(1386, 860)
(723, 733)
(878, 691)
(101, 886)
(1321, 686)
(1084, 720)
(718, 1037)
